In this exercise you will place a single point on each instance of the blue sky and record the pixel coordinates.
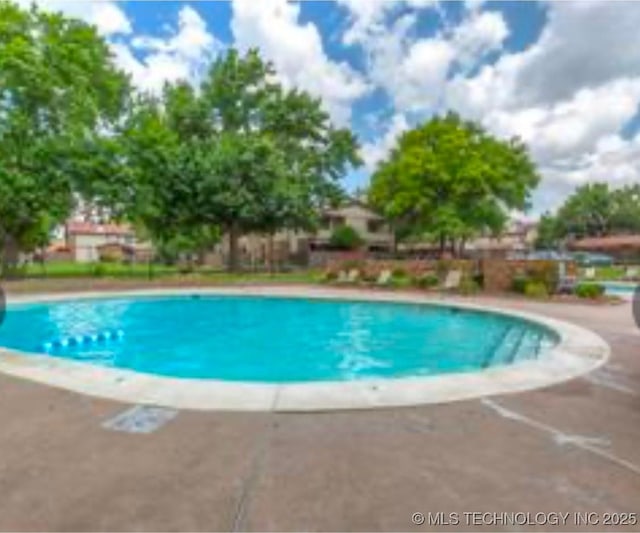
(563, 76)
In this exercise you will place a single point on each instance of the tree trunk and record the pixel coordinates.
(443, 244)
(234, 250)
(10, 256)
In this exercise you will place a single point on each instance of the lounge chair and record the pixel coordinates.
(353, 276)
(343, 277)
(384, 278)
(590, 273)
(631, 273)
(452, 281)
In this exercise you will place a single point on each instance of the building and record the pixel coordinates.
(84, 239)
(518, 238)
(372, 227)
(295, 246)
(622, 247)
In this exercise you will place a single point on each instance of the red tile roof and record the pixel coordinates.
(612, 242)
(89, 228)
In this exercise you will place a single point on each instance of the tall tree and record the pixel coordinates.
(240, 152)
(58, 87)
(595, 210)
(587, 212)
(450, 179)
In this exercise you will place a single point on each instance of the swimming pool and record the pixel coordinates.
(272, 339)
(622, 289)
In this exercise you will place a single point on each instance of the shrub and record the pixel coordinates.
(536, 289)
(330, 276)
(99, 270)
(519, 283)
(345, 238)
(468, 286)
(399, 272)
(589, 290)
(426, 281)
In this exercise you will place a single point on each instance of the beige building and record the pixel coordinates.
(84, 239)
(518, 237)
(371, 226)
(289, 245)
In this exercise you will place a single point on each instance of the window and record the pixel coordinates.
(374, 226)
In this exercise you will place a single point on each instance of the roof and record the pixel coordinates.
(89, 228)
(365, 210)
(611, 243)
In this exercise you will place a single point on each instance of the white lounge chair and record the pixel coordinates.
(343, 277)
(631, 273)
(353, 275)
(452, 281)
(590, 273)
(384, 278)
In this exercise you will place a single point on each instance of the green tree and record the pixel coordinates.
(587, 212)
(345, 238)
(58, 89)
(241, 152)
(548, 232)
(450, 179)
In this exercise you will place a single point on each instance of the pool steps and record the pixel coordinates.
(77, 340)
(515, 343)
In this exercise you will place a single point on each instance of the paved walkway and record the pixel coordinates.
(572, 448)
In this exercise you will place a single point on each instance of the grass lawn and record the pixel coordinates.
(143, 271)
(609, 273)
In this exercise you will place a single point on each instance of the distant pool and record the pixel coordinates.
(624, 290)
(272, 339)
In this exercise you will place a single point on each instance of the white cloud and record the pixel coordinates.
(107, 16)
(568, 95)
(297, 52)
(375, 151)
(180, 56)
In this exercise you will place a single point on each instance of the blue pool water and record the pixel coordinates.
(624, 290)
(272, 339)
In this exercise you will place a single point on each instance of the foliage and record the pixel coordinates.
(468, 286)
(58, 90)
(450, 179)
(594, 210)
(544, 272)
(519, 283)
(589, 290)
(426, 281)
(548, 234)
(345, 238)
(240, 152)
(536, 289)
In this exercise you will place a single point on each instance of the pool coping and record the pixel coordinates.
(578, 352)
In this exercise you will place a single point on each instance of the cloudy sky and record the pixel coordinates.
(564, 76)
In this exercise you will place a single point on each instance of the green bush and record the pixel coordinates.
(536, 289)
(589, 290)
(99, 270)
(426, 281)
(345, 238)
(468, 286)
(519, 283)
(330, 276)
(399, 272)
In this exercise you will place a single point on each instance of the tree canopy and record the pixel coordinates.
(449, 179)
(239, 152)
(58, 88)
(593, 210)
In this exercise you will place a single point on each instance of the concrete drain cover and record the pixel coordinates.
(140, 419)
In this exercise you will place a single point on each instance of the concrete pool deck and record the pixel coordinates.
(572, 447)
